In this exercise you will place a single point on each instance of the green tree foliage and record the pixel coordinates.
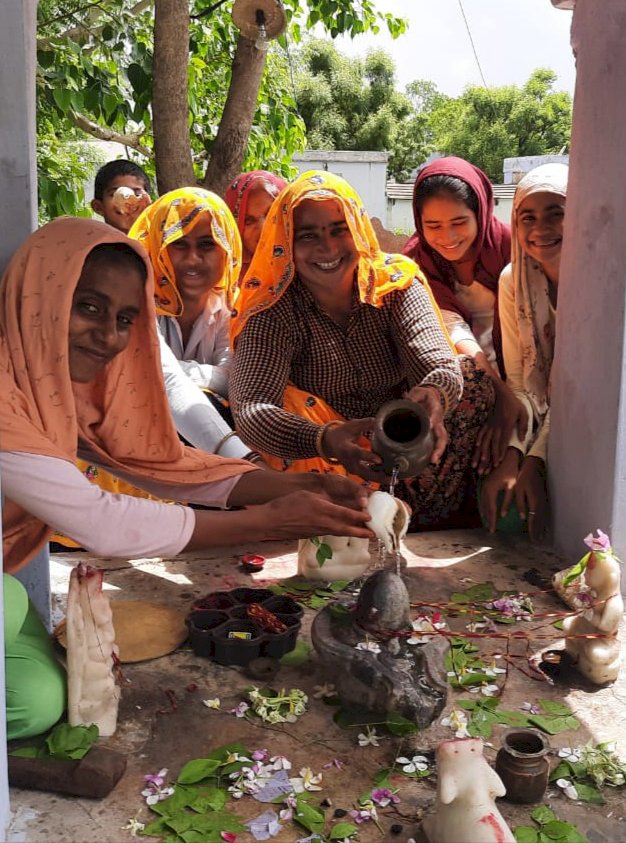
(485, 125)
(95, 78)
(353, 104)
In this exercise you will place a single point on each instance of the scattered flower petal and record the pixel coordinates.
(457, 720)
(530, 707)
(369, 737)
(383, 796)
(336, 762)
(134, 826)
(240, 710)
(568, 788)
(369, 646)
(600, 542)
(417, 764)
(214, 703)
(320, 692)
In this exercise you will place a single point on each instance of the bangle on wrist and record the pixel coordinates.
(224, 440)
(253, 457)
(319, 441)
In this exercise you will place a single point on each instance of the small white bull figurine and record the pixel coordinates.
(465, 809)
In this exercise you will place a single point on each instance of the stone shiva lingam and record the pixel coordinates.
(597, 577)
(387, 675)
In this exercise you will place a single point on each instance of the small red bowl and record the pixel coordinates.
(251, 563)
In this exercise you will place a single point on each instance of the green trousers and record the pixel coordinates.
(36, 690)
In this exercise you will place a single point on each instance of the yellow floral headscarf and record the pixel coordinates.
(272, 269)
(171, 217)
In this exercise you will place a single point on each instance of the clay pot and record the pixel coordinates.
(402, 437)
(522, 765)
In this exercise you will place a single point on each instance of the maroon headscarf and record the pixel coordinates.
(237, 195)
(492, 247)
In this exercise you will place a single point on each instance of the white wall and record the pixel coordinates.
(365, 171)
(587, 448)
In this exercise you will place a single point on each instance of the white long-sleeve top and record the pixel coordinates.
(194, 416)
(206, 357)
(480, 303)
(535, 444)
(107, 524)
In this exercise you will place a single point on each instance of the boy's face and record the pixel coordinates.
(114, 211)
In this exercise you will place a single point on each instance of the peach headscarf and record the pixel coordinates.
(123, 415)
(272, 269)
(171, 217)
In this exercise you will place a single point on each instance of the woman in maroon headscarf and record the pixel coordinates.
(462, 248)
(249, 198)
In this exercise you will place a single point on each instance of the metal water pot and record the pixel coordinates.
(402, 437)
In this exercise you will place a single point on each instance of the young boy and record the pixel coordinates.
(120, 208)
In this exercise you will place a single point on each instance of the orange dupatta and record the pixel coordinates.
(122, 415)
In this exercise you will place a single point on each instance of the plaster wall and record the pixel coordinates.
(587, 448)
(18, 208)
(18, 173)
(365, 171)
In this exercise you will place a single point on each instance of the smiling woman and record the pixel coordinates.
(528, 298)
(327, 329)
(80, 372)
(107, 300)
(195, 250)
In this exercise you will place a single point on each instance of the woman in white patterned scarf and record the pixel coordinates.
(527, 304)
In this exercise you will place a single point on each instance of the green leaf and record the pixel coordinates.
(556, 708)
(543, 815)
(157, 827)
(212, 799)
(300, 655)
(323, 553)
(198, 770)
(28, 752)
(180, 799)
(66, 741)
(342, 830)
(525, 834)
(479, 593)
(307, 816)
(587, 793)
(399, 725)
(63, 98)
(553, 725)
(556, 829)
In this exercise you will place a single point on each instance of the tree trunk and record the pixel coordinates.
(170, 111)
(229, 147)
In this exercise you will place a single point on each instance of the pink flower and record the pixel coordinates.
(260, 755)
(336, 762)
(228, 836)
(600, 542)
(240, 710)
(383, 796)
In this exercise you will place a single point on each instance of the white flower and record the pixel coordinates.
(570, 754)
(417, 764)
(307, 781)
(457, 720)
(134, 826)
(568, 788)
(369, 737)
(325, 690)
(215, 703)
(369, 646)
(279, 762)
(493, 670)
(490, 690)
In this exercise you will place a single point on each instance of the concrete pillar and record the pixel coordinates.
(18, 204)
(18, 163)
(587, 448)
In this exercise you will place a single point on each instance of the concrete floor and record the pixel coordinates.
(438, 564)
